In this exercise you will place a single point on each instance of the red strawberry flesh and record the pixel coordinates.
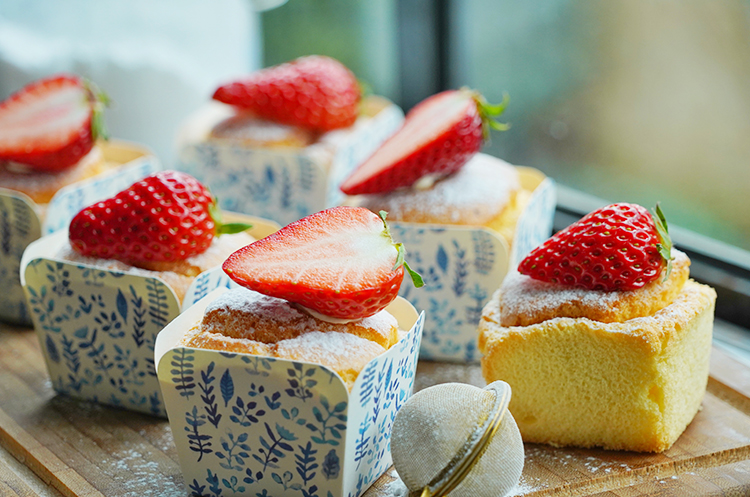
(49, 117)
(339, 262)
(613, 248)
(438, 137)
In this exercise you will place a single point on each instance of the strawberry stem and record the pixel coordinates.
(228, 228)
(665, 247)
(99, 100)
(416, 278)
(487, 111)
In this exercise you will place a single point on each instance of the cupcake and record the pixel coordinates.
(602, 335)
(313, 349)
(284, 137)
(101, 291)
(464, 214)
(48, 135)
(54, 159)
(166, 225)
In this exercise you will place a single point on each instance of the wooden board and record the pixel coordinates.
(76, 448)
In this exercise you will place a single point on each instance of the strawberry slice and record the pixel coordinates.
(439, 135)
(51, 124)
(340, 262)
(618, 247)
(314, 92)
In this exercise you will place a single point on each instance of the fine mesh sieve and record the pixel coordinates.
(458, 439)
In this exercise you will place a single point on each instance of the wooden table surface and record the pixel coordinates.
(51, 445)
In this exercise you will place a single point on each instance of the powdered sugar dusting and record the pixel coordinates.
(394, 488)
(473, 195)
(244, 313)
(179, 274)
(145, 477)
(26, 179)
(243, 301)
(219, 250)
(524, 297)
(329, 348)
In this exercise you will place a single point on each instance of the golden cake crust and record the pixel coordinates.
(253, 316)
(486, 191)
(245, 321)
(250, 131)
(523, 301)
(631, 385)
(40, 186)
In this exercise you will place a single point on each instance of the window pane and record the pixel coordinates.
(628, 100)
(359, 33)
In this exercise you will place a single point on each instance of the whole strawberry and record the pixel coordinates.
(438, 137)
(51, 124)
(340, 262)
(166, 216)
(313, 92)
(618, 247)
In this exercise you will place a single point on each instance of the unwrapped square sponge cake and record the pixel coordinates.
(619, 369)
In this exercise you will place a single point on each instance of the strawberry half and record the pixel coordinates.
(313, 92)
(439, 135)
(340, 262)
(166, 216)
(51, 124)
(618, 247)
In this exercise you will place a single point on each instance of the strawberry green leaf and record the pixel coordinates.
(487, 111)
(416, 278)
(232, 228)
(99, 100)
(221, 228)
(383, 215)
(665, 247)
(365, 89)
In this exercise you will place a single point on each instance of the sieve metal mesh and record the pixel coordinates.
(438, 428)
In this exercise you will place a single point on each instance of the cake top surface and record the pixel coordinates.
(473, 195)
(219, 249)
(250, 314)
(249, 129)
(524, 301)
(647, 333)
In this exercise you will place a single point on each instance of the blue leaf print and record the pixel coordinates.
(442, 259)
(331, 465)
(52, 352)
(197, 441)
(227, 387)
(306, 462)
(285, 434)
(197, 489)
(122, 305)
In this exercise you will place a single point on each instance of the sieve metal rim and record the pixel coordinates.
(458, 470)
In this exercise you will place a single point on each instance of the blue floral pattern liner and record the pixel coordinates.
(255, 425)
(21, 223)
(282, 185)
(97, 327)
(462, 266)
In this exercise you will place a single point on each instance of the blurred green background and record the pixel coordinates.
(628, 100)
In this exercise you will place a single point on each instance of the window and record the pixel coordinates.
(636, 101)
